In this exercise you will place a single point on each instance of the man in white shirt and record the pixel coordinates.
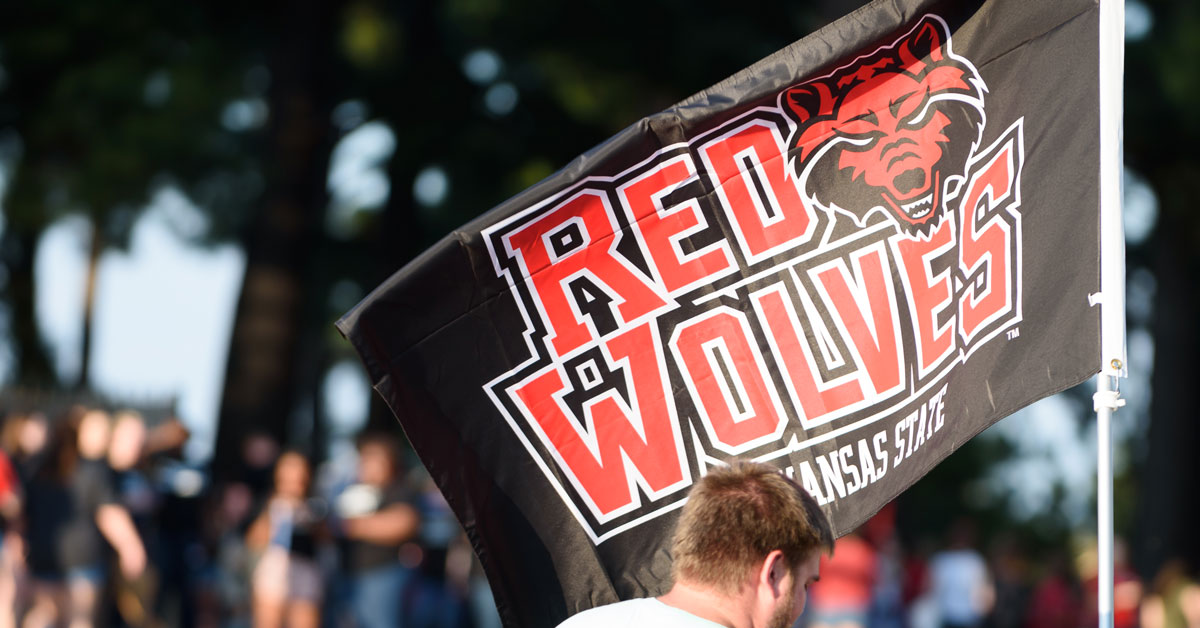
(958, 580)
(746, 547)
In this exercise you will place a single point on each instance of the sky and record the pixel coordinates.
(164, 311)
(163, 318)
(165, 307)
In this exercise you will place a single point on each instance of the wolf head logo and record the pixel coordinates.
(891, 131)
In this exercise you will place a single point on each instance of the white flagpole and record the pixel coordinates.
(1106, 402)
(1112, 286)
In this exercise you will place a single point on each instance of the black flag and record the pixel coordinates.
(846, 260)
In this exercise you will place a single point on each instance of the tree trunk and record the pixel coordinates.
(1168, 510)
(400, 235)
(18, 249)
(95, 248)
(268, 373)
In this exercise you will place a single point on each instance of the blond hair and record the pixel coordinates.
(738, 514)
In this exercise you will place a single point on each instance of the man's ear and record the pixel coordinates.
(772, 573)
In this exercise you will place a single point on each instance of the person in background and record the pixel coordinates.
(375, 517)
(260, 451)
(1010, 577)
(1055, 600)
(480, 600)
(959, 583)
(842, 598)
(135, 599)
(12, 549)
(181, 557)
(30, 438)
(225, 522)
(26, 438)
(887, 596)
(287, 585)
(436, 598)
(1127, 587)
(1174, 598)
(71, 510)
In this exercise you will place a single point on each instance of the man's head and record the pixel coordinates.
(745, 525)
(377, 458)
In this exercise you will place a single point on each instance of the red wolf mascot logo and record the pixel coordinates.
(876, 134)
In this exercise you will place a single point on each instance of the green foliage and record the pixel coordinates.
(110, 100)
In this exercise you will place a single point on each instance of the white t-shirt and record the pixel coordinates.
(958, 581)
(643, 612)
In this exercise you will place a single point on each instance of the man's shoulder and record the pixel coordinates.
(639, 612)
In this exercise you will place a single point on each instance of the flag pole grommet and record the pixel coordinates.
(1117, 364)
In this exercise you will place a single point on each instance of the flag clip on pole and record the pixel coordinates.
(1112, 286)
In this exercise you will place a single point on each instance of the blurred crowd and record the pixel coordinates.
(874, 581)
(105, 524)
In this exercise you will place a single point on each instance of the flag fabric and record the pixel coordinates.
(846, 260)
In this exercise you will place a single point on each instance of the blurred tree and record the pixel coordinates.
(1161, 134)
(487, 98)
(101, 104)
(275, 357)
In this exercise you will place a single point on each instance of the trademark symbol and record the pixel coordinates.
(1013, 333)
